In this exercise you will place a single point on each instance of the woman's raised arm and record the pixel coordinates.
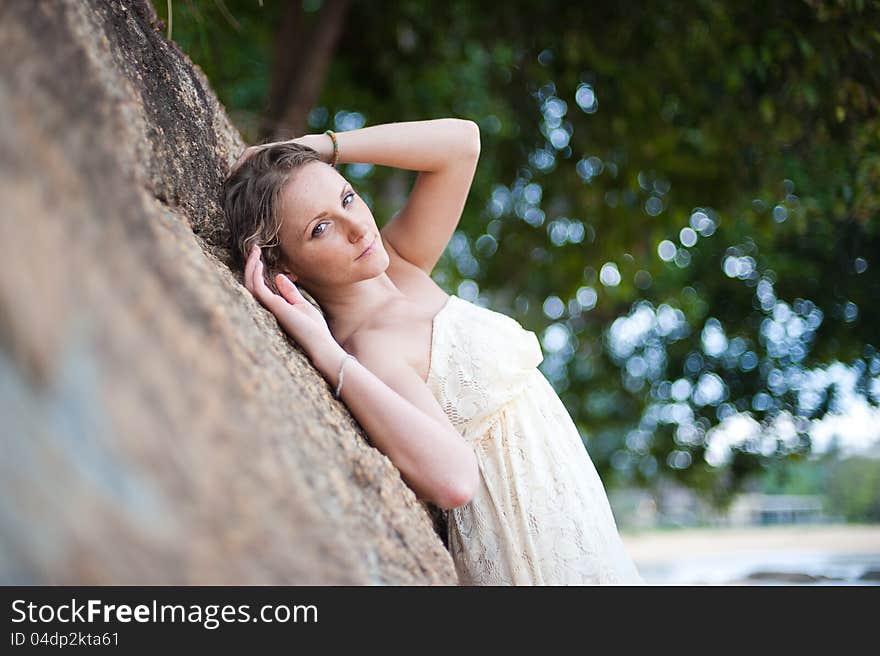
(413, 145)
(445, 151)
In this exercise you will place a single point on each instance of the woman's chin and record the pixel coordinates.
(380, 264)
(380, 258)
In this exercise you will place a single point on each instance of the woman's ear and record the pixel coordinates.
(287, 272)
(283, 267)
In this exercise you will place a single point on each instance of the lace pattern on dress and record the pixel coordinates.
(480, 360)
(541, 515)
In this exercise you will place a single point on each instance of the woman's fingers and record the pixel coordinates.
(251, 271)
(260, 289)
(245, 155)
(250, 151)
(266, 296)
(289, 290)
(249, 267)
(256, 284)
(254, 262)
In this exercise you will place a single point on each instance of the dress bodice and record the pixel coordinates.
(480, 359)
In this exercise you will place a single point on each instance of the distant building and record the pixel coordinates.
(674, 505)
(754, 508)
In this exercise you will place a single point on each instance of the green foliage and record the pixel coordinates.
(797, 476)
(752, 126)
(854, 490)
(850, 485)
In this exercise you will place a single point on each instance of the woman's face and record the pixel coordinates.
(326, 228)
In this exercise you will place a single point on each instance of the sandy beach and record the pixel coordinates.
(668, 544)
(812, 553)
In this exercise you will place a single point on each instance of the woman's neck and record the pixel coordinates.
(348, 308)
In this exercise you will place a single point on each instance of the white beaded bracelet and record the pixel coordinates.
(341, 372)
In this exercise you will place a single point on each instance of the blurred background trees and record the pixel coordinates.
(679, 198)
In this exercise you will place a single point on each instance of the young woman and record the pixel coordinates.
(448, 390)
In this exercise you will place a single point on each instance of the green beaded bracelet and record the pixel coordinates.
(335, 147)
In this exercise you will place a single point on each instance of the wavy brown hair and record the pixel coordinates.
(251, 199)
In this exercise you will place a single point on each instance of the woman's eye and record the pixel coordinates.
(318, 233)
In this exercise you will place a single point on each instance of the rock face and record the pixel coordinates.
(157, 425)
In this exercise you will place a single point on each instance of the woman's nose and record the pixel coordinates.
(357, 231)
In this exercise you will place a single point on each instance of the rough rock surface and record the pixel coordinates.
(157, 425)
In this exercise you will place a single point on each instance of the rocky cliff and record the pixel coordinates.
(157, 425)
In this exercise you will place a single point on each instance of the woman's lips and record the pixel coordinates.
(368, 250)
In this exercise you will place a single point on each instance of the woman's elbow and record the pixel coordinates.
(466, 489)
(471, 138)
(474, 138)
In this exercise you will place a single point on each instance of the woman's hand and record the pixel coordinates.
(246, 154)
(319, 142)
(299, 318)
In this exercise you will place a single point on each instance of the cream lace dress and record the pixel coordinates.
(541, 514)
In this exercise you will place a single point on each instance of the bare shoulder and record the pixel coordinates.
(412, 280)
(388, 355)
(396, 338)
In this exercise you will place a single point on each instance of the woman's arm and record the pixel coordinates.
(445, 151)
(413, 145)
(397, 411)
(404, 421)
